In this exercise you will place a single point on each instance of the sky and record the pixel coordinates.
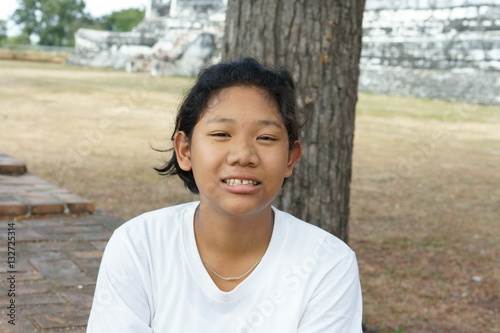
(94, 7)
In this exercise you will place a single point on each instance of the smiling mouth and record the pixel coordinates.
(234, 182)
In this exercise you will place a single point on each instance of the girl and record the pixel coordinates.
(230, 262)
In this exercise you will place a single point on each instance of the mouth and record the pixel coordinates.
(235, 182)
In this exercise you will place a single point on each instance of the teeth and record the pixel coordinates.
(233, 182)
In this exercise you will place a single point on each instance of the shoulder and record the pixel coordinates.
(314, 260)
(308, 238)
(168, 217)
(154, 227)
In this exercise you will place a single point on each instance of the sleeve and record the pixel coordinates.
(121, 303)
(336, 305)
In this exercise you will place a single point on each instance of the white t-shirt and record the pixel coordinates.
(152, 279)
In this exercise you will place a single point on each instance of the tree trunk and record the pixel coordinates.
(320, 41)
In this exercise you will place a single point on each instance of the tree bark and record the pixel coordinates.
(320, 42)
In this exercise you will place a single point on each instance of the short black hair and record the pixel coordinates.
(277, 82)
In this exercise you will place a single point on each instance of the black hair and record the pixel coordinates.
(276, 82)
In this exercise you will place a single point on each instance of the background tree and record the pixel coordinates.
(18, 40)
(52, 22)
(3, 32)
(123, 20)
(320, 40)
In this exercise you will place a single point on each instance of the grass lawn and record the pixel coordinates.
(425, 204)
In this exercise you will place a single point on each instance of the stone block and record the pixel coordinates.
(79, 330)
(81, 299)
(13, 208)
(81, 208)
(88, 254)
(79, 229)
(40, 299)
(61, 308)
(23, 325)
(56, 321)
(30, 194)
(89, 265)
(43, 222)
(28, 235)
(104, 236)
(47, 209)
(57, 268)
(33, 287)
(57, 246)
(13, 170)
(99, 245)
(70, 281)
(29, 276)
(11, 166)
(46, 255)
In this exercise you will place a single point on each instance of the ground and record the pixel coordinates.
(425, 191)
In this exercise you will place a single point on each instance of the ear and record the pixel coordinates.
(182, 150)
(293, 157)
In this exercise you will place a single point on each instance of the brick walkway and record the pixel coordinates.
(56, 256)
(24, 194)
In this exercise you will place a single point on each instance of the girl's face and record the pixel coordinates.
(239, 152)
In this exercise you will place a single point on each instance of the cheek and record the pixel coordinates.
(206, 156)
(275, 162)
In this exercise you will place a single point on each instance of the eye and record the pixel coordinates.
(219, 135)
(266, 138)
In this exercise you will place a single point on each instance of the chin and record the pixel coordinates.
(244, 208)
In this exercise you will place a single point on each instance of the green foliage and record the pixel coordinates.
(3, 32)
(54, 22)
(123, 20)
(21, 39)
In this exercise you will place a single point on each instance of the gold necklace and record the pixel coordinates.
(231, 278)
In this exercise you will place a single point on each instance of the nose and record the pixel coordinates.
(243, 154)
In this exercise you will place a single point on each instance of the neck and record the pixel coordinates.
(230, 237)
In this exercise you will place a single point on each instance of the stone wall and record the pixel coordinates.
(445, 49)
(177, 37)
(101, 48)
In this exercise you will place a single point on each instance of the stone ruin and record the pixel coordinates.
(444, 49)
(176, 38)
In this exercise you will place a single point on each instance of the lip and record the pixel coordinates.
(242, 189)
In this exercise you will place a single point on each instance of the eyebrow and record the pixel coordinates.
(269, 123)
(264, 122)
(220, 120)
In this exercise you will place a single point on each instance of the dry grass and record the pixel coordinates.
(425, 214)
(92, 131)
(20, 54)
(425, 191)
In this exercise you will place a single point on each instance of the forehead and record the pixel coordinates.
(244, 101)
